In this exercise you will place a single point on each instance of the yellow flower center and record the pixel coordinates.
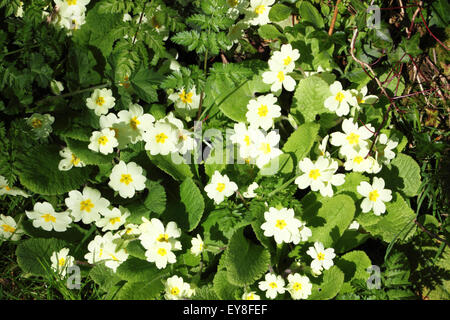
(174, 291)
(113, 221)
(186, 97)
(280, 224)
(100, 252)
(126, 178)
(220, 187)
(263, 110)
(100, 101)
(71, 2)
(163, 237)
(265, 148)
(373, 195)
(340, 96)
(273, 285)
(129, 230)
(247, 140)
(250, 297)
(48, 217)
(161, 137)
(280, 76)
(75, 161)
(353, 138)
(233, 3)
(86, 205)
(134, 123)
(358, 159)
(113, 257)
(320, 256)
(314, 174)
(162, 252)
(102, 140)
(7, 188)
(287, 60)
(297, 286)
(7, 228)
(260, 9)
(62, 262)
(36, 123)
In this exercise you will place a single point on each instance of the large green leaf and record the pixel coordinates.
(137, 270)
(354, 265)
(81, 150)
(104, 276)
(245, 261)
(394, 223)
(193, 201)
(33, 255)
(156, 198)
(403, 173)
(144, 83)
(331, 220)
(38, 172)
(143, 290)
(309, 13)
(224, 289)
(279, 12)
(73, 234)
(178, 171)
(329, 286)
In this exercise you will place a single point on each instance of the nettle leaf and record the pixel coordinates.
(245, 261)
(354, 265)
(38, 172)
(331, 220)
(395, 222)
(309, 98)
(224, 289)
(330, 284)
(156, 198)
(205, 293)
(33, 255)
(234, 106)
(403, 173)
(89, 157)
(179, 171)
(279, 12)
(193, 201)
(298, 146)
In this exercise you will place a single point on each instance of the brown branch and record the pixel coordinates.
(333, 21)
(430, 233)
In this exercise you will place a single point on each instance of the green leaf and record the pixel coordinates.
(143, 290)
(103, 276)
(135, 249)
(178, 171)
(269, 31)
(394, 223)
(354, 265)
(333, 218)
(329, 286)
(309, 13)
(33, 255)
(156, 198)
(224, 289)
(74, 234)
(144, 83)
(245, 261)
(137, 270)
(205, 293)
(81, 150)
(403, 173)
(193, 201)
(38, 172)
(279, 12)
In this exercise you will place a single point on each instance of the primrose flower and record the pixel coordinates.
(186, 102)
(11, 191)
(281, 224)
(122, 130)
(244, 137)
(186, 141)
(130, 229)
(137, 121)
(103, 248)
(340, 100)
(357, 161)
(103, 141)
(112, 219)
(127, 179)
(375, 196)
(236, 7)
(384, 149)
(162, 138)
(73, 22)
(61, 260)
(9, 229)
(197, 245)
(285, 58)
(258, 13)
(220, 187)
(153, 232)
(322, 258)
(41, 125)
(161, 254)
(177, 289)
(273, 285)
(362, 97)
(101, 101)
(86, 206)
(266, 147)
(45, 217)
(69, 160)
(302, 235)
(354, 225)
(250, 193)
(299, 286)
(68, 8)
(278, 78)
(262, 111)
(353, 137)
(250, 296)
